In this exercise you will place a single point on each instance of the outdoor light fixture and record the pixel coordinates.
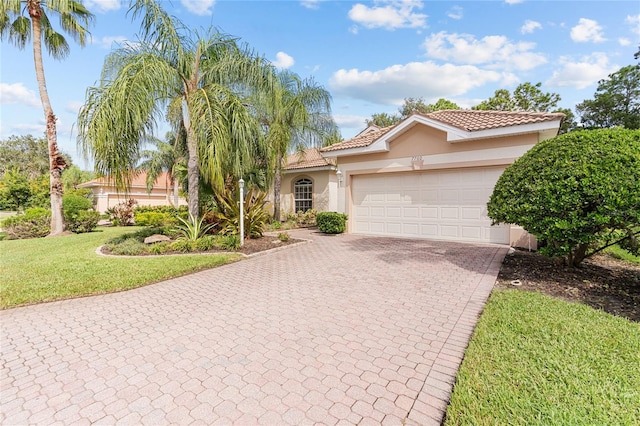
(339, 175)
(241, 183)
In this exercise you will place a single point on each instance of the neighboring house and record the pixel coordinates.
(107, 196)
(429, 176)
(309, 181)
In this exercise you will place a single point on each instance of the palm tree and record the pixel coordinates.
(197, 82)
(296, 114)
(168, 156)
(74, 20)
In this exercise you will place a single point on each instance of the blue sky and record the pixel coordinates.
(369, 55)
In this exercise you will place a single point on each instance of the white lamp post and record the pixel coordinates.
(241, 183)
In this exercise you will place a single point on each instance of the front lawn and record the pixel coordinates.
(538, 360)
(46, 269)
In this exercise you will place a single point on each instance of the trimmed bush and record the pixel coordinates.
(575, 192)
(153, 219)
(34, 223)
(331, 222)
(78, 212)
(83, 221)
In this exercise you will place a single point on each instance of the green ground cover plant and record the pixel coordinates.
(538, 360)
(46, 269)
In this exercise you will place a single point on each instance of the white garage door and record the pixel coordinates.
(445, 205)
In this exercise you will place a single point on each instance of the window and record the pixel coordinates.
(303, 194)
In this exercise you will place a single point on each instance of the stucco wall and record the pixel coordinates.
(324, 187)
(422, 148)
(105, 198)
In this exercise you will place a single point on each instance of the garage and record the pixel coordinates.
(444, 204)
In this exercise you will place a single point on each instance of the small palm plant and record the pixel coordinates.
(193, 228)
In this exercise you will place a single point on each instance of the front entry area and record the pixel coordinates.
(444, 204)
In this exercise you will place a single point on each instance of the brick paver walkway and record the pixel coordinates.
(343, 330)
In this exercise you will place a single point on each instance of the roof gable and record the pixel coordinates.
(138, 180)
(459, 125)
(308, 159)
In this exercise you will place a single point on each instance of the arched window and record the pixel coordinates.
(303, 194)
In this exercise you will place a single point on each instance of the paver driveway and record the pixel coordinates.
(345, 329)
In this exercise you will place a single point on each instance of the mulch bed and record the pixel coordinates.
(251, 246)
(601, 282)
(267, 242)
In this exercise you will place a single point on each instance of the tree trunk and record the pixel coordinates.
(193, 166)
(56, 161)
(193, 174)
(176, 198)
(577, 255)
(277, 183)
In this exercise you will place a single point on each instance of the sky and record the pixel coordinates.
(370, 55)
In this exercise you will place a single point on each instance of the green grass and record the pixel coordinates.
(46, 269)
(537, 360)
(621, 254)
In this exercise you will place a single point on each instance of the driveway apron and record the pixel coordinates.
(342, 330)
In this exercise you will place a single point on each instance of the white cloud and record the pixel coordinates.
(102, 6)
(310, 4)
(624, 41)
(583, 73)
(587, 30)
(73, 106)
(18, 94)
(456, 12)
(494, 51)
(199, 7)
(513, 1)
(25, 128)
(350, 121)
(530, 26)
(634, 21)
(389, 14)
(416, 79)
(106, 42)
(283, 61)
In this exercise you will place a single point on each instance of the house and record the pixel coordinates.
(309, 181)
(162, 193)
(429, 176)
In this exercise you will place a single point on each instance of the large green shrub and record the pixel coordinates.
(576, 192)
(83, 221)
(78, 212)
(34, 223)
(331, 222)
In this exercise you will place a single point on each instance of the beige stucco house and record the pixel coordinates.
(309, 181)
(162, 193)
(430, 176)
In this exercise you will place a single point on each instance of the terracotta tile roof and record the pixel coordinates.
(139, 180)
(306, 159)
(467, 120)
(473, 121)
(361, 140)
